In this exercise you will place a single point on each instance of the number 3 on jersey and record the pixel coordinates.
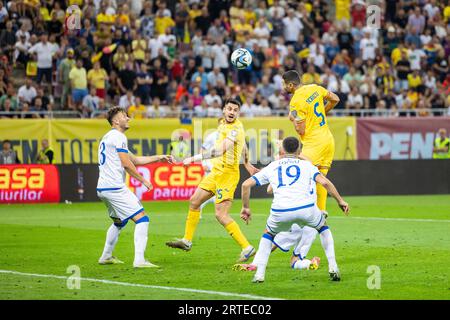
(102, 154)
(319, 114)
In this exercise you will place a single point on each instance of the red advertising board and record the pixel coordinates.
(399, 138)
(170, 181)
(29, 183)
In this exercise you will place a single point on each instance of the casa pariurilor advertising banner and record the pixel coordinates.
(29, 184)
(170, 181)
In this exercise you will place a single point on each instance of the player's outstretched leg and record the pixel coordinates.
(308, 236)
(222, 215)
(140, 243)
(262, 257)
(326, 238)
(112, 235)
(193, 218)
(322, 192)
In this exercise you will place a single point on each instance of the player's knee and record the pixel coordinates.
(194, 203)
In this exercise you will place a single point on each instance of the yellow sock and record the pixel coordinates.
(192, 221)
(322, 193)
(234, 231)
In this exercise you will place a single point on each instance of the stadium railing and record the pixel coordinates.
(169, 113)
(45, 114)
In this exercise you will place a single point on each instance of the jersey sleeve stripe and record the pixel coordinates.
(315, 176)
(256, 180)
(121, 150)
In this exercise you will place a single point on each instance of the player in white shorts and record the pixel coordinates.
(114, 160)
(208, 144)
(294, 202)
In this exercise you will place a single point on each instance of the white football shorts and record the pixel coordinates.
(122, 204)
(282, 219)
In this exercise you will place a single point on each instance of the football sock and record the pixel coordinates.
(301, 264)
(322, 193)
(262, 255)
(234, 231)
(112, 235)
(140, 241)
(192, 221)
(326, 238)
(308, 237)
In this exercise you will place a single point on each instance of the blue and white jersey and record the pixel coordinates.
(112, 174)
(293, 182)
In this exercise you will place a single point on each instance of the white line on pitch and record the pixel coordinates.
(127, 284)
(377, 218)
(391, 219)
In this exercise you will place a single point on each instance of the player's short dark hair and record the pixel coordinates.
(291, 145)
(112, 113)
(232, 101)
(291, 76)
(6, 141)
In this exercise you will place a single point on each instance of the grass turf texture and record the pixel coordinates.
(45, 239)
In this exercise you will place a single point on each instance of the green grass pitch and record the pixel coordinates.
(407, 237)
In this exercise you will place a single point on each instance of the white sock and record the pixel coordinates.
(262, 256)
(308, 237)
(302, 264)
(140, 242)
(326, 238)
(112, 235)
(210, 200)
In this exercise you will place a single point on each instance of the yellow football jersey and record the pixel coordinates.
(307, 104)
(230, 160)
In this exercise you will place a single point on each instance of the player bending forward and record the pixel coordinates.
(292, 181)
(123, 205)
(221, 182)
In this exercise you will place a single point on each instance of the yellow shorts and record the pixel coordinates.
(321, 155)
(222, 184)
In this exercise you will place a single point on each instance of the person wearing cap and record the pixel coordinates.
(63, 75)
(21, 52)
(441, 148)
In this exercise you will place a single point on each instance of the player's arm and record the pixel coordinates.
(327, 184)
(299, 124)
(141, 160)
(332, 100)
(245, 196)
(251, 169)
(130, 168)
(212, 153)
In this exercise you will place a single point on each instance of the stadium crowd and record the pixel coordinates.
(159, 58)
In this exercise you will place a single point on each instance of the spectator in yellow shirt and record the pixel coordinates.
(138, 110)
(123, 18)
(311, 76)
(138, 45)
(120, 58)
(163, 22)
(242, 28)
(414, 79)
(97, 78)
(396, 54)
(236, 13)
(103, 17)
(78, 79)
